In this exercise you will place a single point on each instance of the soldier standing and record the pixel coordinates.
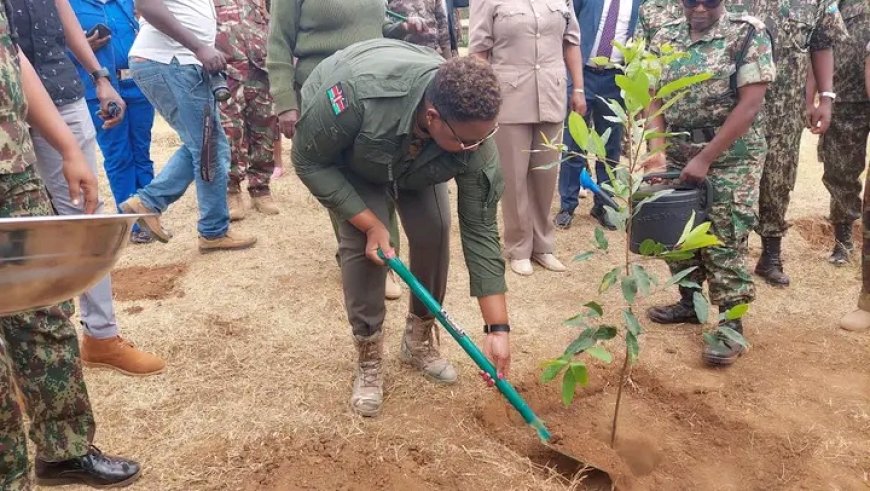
(724, 145)
(859, 319)
(39, 350)
(843, 149)
(248, 119)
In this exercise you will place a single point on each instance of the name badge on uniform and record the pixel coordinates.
(336, 97)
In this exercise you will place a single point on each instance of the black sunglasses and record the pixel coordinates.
(708, 4)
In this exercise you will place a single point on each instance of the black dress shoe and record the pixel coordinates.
(93, 469)
(599, 214)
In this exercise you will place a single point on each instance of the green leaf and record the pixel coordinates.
(569, 385)
(595, 307)
(579, 130)
(616, 108)
(600, 61)
(679, 276)
(682, 83)
(631, 322)
(643, 279)
(608, 280)
(584, 256)
(618, 218)
(632, 346)
(667, 105)
(605, 333)
(600, 353)
(674, 256)
(711, 339)
(702, 308)
(650, 247)
(597, 145)
(582, 342)
(658, 195)
(578, 320)
(731, 334)
(600, 239)
(736, 312)
(635, 89)
(552, 368)
(629, 289)
(690, 284)
(580, 373)
(687, 228)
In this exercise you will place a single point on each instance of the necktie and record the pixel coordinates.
(605, 44)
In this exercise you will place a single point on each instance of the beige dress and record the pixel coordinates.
(525, 40)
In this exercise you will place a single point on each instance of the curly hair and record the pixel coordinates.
(465, 89)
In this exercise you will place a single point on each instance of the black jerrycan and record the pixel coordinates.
(663, 220)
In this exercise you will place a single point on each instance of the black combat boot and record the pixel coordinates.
(681, 312)
(94, 469)
(842, 244)
(769, 264)
(724, 352)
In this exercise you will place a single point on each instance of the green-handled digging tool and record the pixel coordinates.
(504, 387)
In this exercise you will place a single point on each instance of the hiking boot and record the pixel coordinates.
(563, 220)
(682, 312)
(600, 214)
(265, 205)
(392, 289)
(119, 354)
(724, 352)
(236, 205)
(93, 469)
(769, 264)
(842, 244)
(231, 241)
(420, 344)
(134, 206)
(368, 386)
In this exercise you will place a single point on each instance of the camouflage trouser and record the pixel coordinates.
(843, 149)
(864, 299)
(784, 120)
(39, 351)
(732, 213)
(252, 129)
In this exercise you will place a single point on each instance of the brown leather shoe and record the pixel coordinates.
(265, 205)
(118, 354)
(236, 206)
(231, 241)
(152, 223)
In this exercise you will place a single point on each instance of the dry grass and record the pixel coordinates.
(260, 361)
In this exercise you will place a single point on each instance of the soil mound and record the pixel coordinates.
(148, 283)
(818, 232)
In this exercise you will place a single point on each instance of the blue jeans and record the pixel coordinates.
(126, 148)
(181, 94)
(595, 83)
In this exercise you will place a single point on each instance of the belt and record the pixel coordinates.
(697, 135)
(600, 69)
(125, 74)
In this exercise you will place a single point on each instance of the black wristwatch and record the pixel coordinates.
(100, 73)
(488, 328)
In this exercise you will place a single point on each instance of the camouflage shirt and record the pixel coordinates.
(16, 148)
(849, 53)
(432, 12)
(242, 31)
(653, 14)
(708, 104)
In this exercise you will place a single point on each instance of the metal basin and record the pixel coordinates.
(46, 260)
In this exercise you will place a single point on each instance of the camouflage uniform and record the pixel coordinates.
(248, 119)
(653, 14)
(843, 148)
(39, 349)
(735, 175)
(433, 14)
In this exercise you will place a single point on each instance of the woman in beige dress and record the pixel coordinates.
(529, 43)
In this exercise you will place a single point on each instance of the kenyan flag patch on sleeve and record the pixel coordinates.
(336, 97)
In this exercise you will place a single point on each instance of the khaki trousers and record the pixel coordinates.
(425, 216)
(528, 191)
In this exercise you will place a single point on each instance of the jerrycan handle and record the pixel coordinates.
(707, 195)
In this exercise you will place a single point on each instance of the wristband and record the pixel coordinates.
(99, 73)
(490, 328)
(580, 91)
(829, 95)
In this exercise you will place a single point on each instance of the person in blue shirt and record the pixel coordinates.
(126, 147)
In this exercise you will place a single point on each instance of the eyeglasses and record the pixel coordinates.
(465, 146)
(708, 4)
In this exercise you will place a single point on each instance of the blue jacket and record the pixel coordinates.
(589, 13)
(118, 16)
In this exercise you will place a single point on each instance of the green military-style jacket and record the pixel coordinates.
(358, 113)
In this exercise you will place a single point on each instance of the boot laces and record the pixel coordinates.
(370, 364)
(427, 345)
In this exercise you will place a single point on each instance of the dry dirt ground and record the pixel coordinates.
(260, 365)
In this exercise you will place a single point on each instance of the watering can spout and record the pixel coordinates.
(587, 183)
